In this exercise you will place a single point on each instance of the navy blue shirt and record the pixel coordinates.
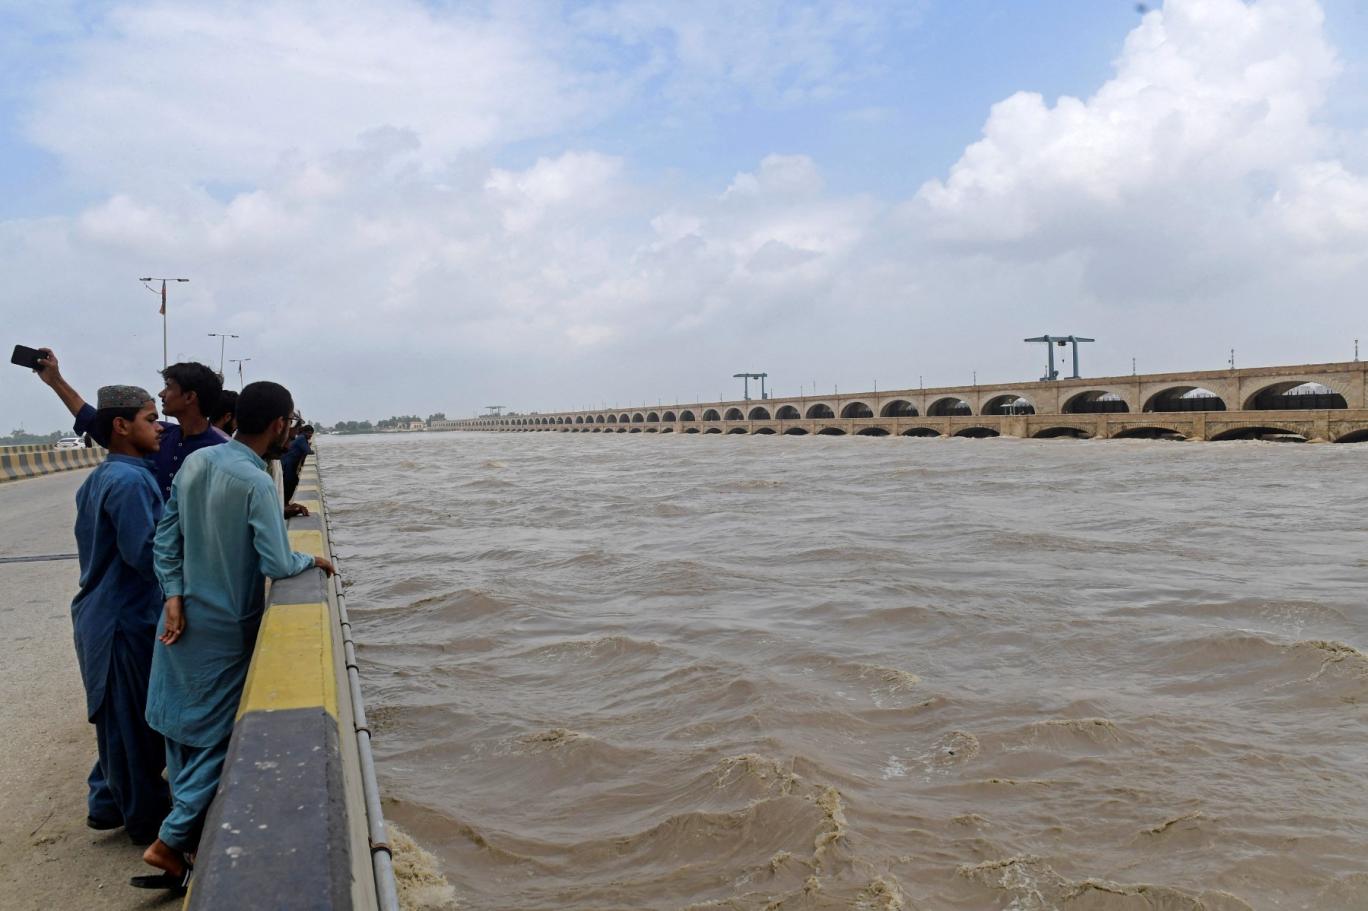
(175, 446)
(297, 454)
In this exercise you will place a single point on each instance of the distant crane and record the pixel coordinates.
(495, 411)
(746, 378)
(1050, 342)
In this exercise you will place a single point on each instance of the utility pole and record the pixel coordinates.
(1232, 358)
(223, 340)
(165, 360)
(239, 361)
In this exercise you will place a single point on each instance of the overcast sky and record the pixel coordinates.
(420, 207)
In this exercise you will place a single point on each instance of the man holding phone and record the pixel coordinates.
(191, 393)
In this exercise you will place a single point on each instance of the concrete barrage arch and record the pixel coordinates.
(1184, 398)
(949, 406)
(1096, 401)
(737, 430)
(1271, 434)
(669, 417)
(733, 414)
(1008, 403)
(764, 431)
(579, 419)
(600, 419)
(652, 418)
(898, 408)
(686, 415)
(638, 418)
(871, 432)
(831, 432)
(713, 430)
(795, 432)
(787, 413)
(1294, 395)
(857, 410)
(818, 411)
(977, 433)
(758, 413)
(1148, 433)
(612, 419)
(921, 432)
(711, 415)
(624, 418)
(1354, 436)
(1057, 433)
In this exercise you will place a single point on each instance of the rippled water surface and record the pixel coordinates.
(639, 671)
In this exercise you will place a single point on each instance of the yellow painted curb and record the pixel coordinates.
(293, 664)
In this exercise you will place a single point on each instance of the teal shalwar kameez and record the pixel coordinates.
(222, 534)
(114, 621)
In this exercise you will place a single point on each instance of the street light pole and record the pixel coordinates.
(240, 361)
(223, 340)
(165, 360)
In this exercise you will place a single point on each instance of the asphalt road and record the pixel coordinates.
(48, 858)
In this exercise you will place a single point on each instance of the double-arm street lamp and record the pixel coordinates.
(223, 340)
(165, 360)
(239, 361)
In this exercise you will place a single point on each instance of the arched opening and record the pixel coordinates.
(764, 431)
(872, 432)
(1185, 398)
(612, 419)
(579, 419)
(949, 406)
(831, 432)
(1267, 434)
(820, 411)
(1295, 396)
(1061, 433)
(795, 432)
(759, 413)
(898, 408)
(1148, 432)
(667, 430)
(652, 418)
(653, 430)
(636, 430)
(624, 418)
(638, 418)
(787, 413)
(598, 430)
(1096, 401)
(686, 415)
(733, 414)
(737, 430)
(1008, 404)
(977, 433)
(1354, 436)
(921, 432)
(713, 430)
(599, 419)
(691, 430)
(711, 415)
(668, 417)
(857, 410)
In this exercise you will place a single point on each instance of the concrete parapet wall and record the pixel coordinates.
(288, 828)
(19, 462)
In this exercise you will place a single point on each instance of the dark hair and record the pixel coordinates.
(227, 404)
(308, 428)
(200, 380)
(103, 428)
(261, 403)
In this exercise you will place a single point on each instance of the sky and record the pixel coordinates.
(419, 207)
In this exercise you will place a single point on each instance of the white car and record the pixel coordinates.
(70, 443)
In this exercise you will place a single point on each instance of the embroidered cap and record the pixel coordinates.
(122, 397)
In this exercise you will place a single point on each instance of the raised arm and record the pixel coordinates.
(50, 372)
(272, 543)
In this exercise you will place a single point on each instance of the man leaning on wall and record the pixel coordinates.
(222, 535)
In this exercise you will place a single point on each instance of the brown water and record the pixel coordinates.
(770, 672)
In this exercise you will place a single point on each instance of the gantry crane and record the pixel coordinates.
(1061, 340)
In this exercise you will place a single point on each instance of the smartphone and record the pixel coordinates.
(25, 356)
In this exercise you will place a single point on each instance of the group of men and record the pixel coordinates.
(176, 532)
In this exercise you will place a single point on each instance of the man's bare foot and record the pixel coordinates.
(164, 857)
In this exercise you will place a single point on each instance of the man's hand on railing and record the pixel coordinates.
(295, 509)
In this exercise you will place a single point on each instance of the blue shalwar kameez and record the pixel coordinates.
(222, 534)
(114, 617)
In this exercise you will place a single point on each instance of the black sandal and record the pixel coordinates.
(170, 881)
